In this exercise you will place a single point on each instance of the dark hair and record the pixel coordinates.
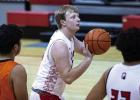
(128, 42)
(9, 36)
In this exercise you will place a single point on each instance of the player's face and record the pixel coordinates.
(17, 48)
(72, 21)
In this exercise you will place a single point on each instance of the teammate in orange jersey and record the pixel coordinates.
(56, 69)
(13, 76)
(122, 81)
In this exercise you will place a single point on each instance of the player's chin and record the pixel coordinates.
(77, 29)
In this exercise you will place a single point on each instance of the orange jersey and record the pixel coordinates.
(6, 91)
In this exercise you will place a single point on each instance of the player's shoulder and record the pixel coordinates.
(57, 34)
(59, 48)
(107, 72)
(19, 69)
(19, 66)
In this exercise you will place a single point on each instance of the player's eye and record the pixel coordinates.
(73, 17)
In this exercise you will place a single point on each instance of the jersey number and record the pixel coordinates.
(124, 94)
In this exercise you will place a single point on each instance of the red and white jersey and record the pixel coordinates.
(123, 82)
(48, 79)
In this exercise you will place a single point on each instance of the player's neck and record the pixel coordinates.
(131, 63)
(4, 57)
(67, 33)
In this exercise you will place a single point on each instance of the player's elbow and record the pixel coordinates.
(68, 81)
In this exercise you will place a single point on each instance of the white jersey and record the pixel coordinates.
(123, 82)
(48, 79)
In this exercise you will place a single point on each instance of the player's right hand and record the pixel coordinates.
(86, 52)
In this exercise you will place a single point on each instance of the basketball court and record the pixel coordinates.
(31, 55)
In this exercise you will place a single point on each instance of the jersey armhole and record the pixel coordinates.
(106, 74)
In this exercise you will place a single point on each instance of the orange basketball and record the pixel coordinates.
(98, 40)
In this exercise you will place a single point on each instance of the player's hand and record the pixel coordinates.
(86, 52)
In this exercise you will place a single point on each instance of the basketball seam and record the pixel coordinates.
(100, 41)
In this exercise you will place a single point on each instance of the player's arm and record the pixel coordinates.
(19, 82)
(78, 45)
(98, 92)
(61, 55)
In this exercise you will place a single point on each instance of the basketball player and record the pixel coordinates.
(122, 81)
(56, 69)
(13, 76)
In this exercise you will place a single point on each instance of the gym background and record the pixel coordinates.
(36, 17)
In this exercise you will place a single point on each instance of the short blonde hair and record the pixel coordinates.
(61, 12)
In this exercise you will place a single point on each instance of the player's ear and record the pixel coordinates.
(63, 22)
(16, 49)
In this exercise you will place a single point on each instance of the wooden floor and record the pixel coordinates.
(31, 57)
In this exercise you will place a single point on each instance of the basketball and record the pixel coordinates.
(98, 40)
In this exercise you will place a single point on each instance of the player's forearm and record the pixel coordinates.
(77, 71)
